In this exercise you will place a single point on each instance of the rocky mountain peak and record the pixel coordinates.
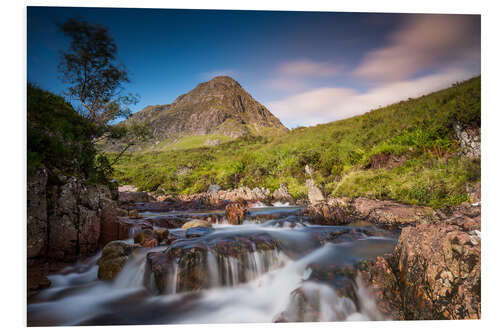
(219, 106)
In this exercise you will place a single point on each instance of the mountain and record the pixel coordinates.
(215, 111)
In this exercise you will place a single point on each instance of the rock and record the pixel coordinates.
(235, 212)
(470, 140)
(114, 189)
(37, 214)
(125, 197)
(196, 223)
(127, 188)
(161, 234)
(440, 272)
(390, 213)
(282, 195)
(133, 214)
(114, 257)
(113, 227)
(214, 188)
(89, 231)
(332, 213)
(188, 260)
(313, 192)
(198, 232)
(146, 238)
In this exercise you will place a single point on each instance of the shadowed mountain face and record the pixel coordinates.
(219, 107)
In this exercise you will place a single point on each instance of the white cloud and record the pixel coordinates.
(335, 103)
(424, 42)
(307, 67)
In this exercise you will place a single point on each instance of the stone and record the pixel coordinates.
(146, 238)
(89, 231)
(114, 257)
(282, 195)
(329, 213)
(214, 188)
(37, 232)
(196, 223)
(235, 212)
(470, 140)
(313, 192)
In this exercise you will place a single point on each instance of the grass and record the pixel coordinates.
(417, 131)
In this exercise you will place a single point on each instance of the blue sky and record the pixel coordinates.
(306, 67)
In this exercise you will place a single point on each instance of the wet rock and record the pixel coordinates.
(146, 238)
(161, 234)
(111, 226)
(198, 232)
(114, 257)
(196, 223)
(313, 192)
(235, 212)
(133, 214)
(329, 213)
(195, 264)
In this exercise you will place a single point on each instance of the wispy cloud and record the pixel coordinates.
(424, 42)
(308, 68)
(334, 103)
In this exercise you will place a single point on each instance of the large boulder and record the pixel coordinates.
(146, 238)
(196, 223)
(114, 257)
(434, 272)
(331, 213)
(470, 140)
(126, 197)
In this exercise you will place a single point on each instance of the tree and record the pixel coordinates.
(95, 81)
(94, 75)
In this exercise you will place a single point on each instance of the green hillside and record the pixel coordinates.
(406, 152)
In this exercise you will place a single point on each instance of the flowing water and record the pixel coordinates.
(273, 267)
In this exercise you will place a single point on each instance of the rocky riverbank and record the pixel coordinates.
(434, 271)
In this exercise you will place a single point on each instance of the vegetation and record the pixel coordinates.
(60, 138)
(345, 155)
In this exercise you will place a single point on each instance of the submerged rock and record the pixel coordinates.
(114, 257)
(198, 232)
(195, 264)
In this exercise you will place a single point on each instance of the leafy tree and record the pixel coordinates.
(95, 81)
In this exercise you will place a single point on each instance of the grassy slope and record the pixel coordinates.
(418, 130)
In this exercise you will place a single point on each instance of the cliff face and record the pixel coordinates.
(220, 106)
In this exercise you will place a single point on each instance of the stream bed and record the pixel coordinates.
(275, 267)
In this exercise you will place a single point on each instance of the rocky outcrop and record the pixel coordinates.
(388, 214)
(114, 257)
(67, 219)
(434, 272)
(470, 140)
(314, 193)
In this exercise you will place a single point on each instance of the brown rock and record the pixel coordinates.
(114, 257)
(146, 238)
(196, 223)
(235, 212)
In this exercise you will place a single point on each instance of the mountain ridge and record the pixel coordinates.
(220, 107)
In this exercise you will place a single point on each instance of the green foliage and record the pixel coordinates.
(419, 131)
(59, 137)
